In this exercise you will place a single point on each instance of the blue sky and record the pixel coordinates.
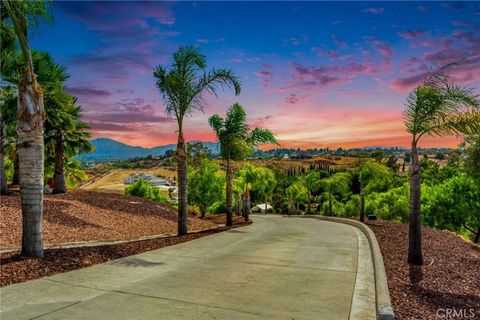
(316, 73)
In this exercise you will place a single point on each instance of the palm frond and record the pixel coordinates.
(439, 107)
(183, 84)
(467, 123)
(217, 123)
(260, 136)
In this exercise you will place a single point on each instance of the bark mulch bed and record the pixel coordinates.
(15, 269)
(85, 216)
(221, 218)
(450, 278)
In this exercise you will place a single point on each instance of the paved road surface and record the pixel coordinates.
(277, 268)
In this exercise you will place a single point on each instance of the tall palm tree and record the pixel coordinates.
(436, 107)
(65, 136)
(236, 142)
(31, 115)
(182, 87)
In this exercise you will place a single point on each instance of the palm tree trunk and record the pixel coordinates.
(247, 206)
(30, 149)
(477, 236)
(59, 184)
(362, 205)
(415, 232)
(16, 170)
(3, 178)
(237, 211)
(182, 183)
(330, 204)
(229, 192)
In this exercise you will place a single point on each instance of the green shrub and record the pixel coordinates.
(217, 208)
(352, 207)
(143, 189)
(390, 205)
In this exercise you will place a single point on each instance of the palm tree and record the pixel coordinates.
(244, 182)
(236, 143)
(339, 183)
(436, 107)
(182, 88)
(31, 115)
(296, 194)
(65, 137)
(312, 182)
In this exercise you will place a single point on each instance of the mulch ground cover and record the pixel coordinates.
(85, 216)
(15, 269)
(450, 278)
(221, 218)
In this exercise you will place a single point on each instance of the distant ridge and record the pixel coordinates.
(109, 150)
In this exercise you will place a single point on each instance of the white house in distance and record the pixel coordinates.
(150, 178)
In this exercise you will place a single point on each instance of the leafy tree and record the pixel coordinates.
(374, 177)
(390, 205)
(197, 151)
(440, 156)
(453, 205)
(31, 115)
(236, 142)
(391, 163)
(377, 155)
(182, 87)
(206, 185)
(337, 184)
(264, 184)
(437, 107)
(472, 167)
(296, 194)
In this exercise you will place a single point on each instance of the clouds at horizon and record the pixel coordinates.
(318, 74)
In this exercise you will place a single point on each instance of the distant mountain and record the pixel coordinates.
(109, 149)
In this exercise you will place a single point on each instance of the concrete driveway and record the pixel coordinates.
(276, 268)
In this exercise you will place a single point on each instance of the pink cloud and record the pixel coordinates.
(339, 43)
(382, 47)
(407, 83)
(88, 92)
(412, 34)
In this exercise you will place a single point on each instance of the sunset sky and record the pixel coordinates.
(316, 73)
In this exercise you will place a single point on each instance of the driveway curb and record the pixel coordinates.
(382, 295)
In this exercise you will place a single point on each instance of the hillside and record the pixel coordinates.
(109, 149)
